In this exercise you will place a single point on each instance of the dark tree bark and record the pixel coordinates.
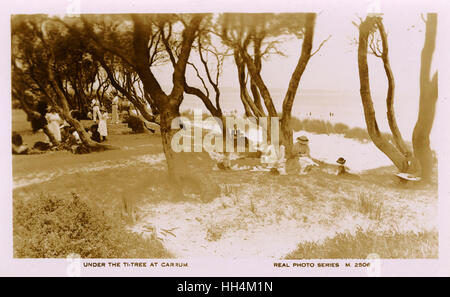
(168, 105)
(251, 109)
(256, 76)
(285, 124)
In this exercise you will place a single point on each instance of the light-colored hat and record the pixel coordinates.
(303, 139)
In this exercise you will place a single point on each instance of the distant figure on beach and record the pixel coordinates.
(115, 109)
(102, 127)
(53, 122)
(302, 151)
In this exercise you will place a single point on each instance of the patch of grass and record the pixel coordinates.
(388, 245)
(370, 206)
(253, 207)
(214, 233)
(51, 227)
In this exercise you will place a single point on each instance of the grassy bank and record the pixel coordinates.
(388, 245)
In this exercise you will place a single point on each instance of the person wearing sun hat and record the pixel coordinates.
(301, 147)
(302, 151)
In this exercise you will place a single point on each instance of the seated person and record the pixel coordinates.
(75, 135)
(267, 154)
(301, 147)
(302, 151)
(95, 135)
(342, 170)
(281, 160)
(18, 148)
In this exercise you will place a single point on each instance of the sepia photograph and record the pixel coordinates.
(300, 137)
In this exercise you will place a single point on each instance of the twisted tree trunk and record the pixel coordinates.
(428, 98)
(369, 112)
(398, 140)
(285, 124)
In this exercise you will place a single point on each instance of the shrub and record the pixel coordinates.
(51, 227)
(296, 124)
(357, 133)
(340, 128)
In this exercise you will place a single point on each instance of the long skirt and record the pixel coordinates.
(115, 113)
(102, 128)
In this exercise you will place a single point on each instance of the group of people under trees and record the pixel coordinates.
(62, 135)
(66, 137)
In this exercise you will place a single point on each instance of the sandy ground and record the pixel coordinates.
(244, 226)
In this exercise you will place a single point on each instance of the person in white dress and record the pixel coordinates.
(115, 110)
(53, 123)
(95, 103)
(102, 127)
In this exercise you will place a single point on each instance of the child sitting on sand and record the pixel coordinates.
(342, 170)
